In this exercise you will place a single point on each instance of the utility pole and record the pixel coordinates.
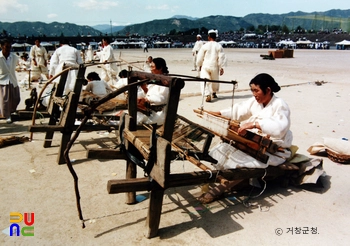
(111, 27)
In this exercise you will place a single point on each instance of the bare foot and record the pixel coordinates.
(207, 198)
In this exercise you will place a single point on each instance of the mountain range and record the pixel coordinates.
(328, 20)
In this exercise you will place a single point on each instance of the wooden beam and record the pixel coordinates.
(59, 128)
(193, 178)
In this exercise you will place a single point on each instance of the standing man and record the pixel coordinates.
(109, 69)
(39, 57)
(69, 56)
(211, 61)
(9, 91)
(197, 46)
(89, 54)
(145, 48)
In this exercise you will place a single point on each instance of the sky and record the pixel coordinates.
(126, 12)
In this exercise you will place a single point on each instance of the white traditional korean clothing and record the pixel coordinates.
(211, 58)
(69, 56)
(156, 95)
(39, 54)
(98, 87)
(89, 54)
(274, 121)
(197, 46)
(109, 70)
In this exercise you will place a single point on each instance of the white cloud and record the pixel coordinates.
(51, 16)
(161, 7)
(96, 5)
(13, 5)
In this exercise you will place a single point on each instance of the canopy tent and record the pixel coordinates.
(227, 43)
(288, 43)
(17, 45)
(160, 42)
(46, 44)
(304, 42)
(164, 44)
(131, 44)
(21, 47)
(118, 43)
(345, 44)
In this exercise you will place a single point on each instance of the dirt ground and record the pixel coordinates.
(32, 181)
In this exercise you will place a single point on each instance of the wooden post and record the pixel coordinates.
(68, 116)
(54, 109)
(131, 171)
(130, 124)
(154, 211)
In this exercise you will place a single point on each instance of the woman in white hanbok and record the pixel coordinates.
(155, 95)
(263, 112)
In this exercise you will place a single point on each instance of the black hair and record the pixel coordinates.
(212, 35)
(93, 76)
(64, 41)
(5, 41)
(107, 39)
(161, 65)
(123, 73)
(264, 81)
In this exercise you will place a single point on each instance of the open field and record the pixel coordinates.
(32, 181)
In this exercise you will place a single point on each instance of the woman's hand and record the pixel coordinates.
(142, 103)
(243, 128)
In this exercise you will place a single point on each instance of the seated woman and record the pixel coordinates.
(97, 86)
(264, 112)
(155, 96)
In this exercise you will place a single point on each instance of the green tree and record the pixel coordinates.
(172, 32)
(251, 28)
(285, 29)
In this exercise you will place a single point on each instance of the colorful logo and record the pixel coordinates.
(15, 229)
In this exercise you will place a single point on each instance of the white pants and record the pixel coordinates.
(211, 73)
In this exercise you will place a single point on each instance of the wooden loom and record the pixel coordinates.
(251, 143)
(62, 111)
(158, 146)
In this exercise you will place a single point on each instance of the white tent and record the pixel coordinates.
(304, 42)
(46, 44)
(162, 44)
(159, 42)
(17, 45)
(343, 45)
(344, 42)
(288, 43)
(227, 43)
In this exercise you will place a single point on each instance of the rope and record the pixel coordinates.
(88, 111)
(245, 202)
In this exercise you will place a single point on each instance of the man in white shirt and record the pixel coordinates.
(39, 57)
(211, 61)
(9, 91)
(197, 46)
(69, 56)
(109, 69)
